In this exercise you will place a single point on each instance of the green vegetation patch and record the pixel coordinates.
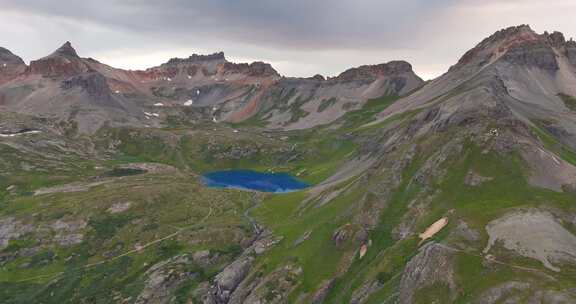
(326, 103)
(368, 112)
(569, 101)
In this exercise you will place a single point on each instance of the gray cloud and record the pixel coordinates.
(294, 24)
(300, 37)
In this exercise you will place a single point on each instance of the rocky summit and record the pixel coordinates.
(460, 189)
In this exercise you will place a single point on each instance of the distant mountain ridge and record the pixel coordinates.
(209, 86)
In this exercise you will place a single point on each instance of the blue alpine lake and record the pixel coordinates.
(254, 180)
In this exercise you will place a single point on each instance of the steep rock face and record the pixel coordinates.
(206, 69)
(570, 51)
(94, 85)
(536, 54)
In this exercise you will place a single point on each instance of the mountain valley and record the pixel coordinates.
(455, 190)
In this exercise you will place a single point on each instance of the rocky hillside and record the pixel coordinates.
(459, 190)
(189, 90)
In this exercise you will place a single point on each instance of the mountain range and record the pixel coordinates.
(207, 87)
(456, 190)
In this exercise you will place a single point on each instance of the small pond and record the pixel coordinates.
(253, 180)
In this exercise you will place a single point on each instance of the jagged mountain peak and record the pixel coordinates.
(66, 50)
(516, 62)
(556, 39)
(519, 45)
(7, 57)
(62, 62)
(498, 43)
(513, 34)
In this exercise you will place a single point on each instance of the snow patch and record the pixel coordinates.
(20, 133)
(152, 114)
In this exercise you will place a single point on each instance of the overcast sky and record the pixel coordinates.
(298, 37)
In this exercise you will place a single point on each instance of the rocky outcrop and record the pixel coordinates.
(322, 292)
(432, 264)
(11, 229)
(119, 207)
(348, 234)
(273, 288)
(195, 58)
(370, 72)
(474, 179)
(163, 278)
(362, 294)
(226, 281)
(255, 69)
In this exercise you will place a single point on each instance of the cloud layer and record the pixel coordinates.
(299, 37)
